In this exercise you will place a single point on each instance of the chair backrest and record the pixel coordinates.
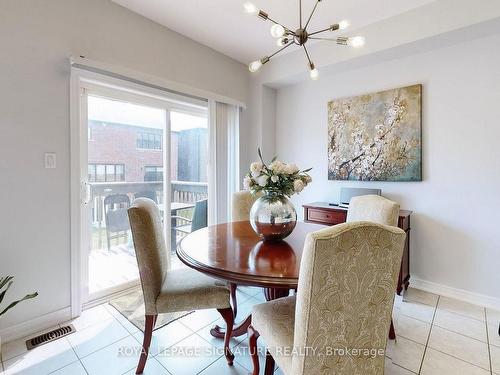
(348, 276)
(241, 205)
(115, 212)
(150, 249)
(200, 215)
(151, 194)
(373, 208)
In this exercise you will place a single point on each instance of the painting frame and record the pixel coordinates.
(376, 136)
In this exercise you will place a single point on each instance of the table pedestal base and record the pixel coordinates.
(241, 328)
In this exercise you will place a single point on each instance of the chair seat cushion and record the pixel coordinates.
(186, 289)
(275, 322)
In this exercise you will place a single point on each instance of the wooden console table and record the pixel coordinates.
(323, 213)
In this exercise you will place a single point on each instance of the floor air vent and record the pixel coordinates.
(49, 336)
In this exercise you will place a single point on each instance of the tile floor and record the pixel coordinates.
(436, 335)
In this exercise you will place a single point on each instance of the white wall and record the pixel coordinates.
(36, 39)
(455, 231)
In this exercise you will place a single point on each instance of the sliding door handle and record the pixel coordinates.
(85, 193)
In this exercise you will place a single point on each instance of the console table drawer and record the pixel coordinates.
(326, 217)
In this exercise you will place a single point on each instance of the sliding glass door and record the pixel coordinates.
(189, 175)
(126, 154)
(138, 146)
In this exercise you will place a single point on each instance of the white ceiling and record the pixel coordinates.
(223, 25)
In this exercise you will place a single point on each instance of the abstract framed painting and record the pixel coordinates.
(376, 137)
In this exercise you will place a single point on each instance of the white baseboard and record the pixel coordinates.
(460, 294)
(38, 324)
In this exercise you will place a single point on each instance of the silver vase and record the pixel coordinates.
(273, 217)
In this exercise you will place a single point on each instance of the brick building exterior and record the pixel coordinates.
(121, 152)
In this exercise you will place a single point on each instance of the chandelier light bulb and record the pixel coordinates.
(356, 42)
(254, 66)
(277, 31)
(250, 8)
(314, 73)
(282, 41)
(344, 24)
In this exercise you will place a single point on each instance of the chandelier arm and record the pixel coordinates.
(309, 19)
(281, 49)
(300, 13)
(322, 31)
(328, 39)
(307, 54)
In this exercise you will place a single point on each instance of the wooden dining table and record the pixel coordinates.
(234, 253)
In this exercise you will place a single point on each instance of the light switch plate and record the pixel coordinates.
(50, 160)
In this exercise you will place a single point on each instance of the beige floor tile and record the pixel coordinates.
(122, 320)
(437, 363)
(461, 308)
(220, 367)
(461, 324)
(153, 367)
(115, 359)
(17, 347)
(90, 317)
(417, 310)
(493, 336)
(493, 316)
(188, 357)
(495, 359)
(97, 336)
(417, 295)
(200, 319)
(411, 328)
(76, 368)
(165, 337)
(405, 353)
(42, 360)
(461, 347)
(392, 369)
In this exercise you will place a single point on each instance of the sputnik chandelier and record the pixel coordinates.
(285, 37)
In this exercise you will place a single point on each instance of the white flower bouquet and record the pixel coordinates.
(276, 180)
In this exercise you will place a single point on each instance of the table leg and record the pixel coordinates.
(241, 329)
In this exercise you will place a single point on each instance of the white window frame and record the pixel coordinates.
(83, 82)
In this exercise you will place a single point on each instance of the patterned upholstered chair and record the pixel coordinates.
(241, 204)
(376, 209)
(170, 290)
(373, 208)
(347, 279)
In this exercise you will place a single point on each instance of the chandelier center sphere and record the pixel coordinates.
(300, 36)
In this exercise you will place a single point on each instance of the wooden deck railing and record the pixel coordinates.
(181, 191)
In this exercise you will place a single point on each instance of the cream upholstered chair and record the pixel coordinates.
(376, 209)
(170, 290)
(373, 208)
(241, 205)
(347, 279)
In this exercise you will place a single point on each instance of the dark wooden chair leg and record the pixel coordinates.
(148, 334)
(233, 299)
(269, 369)
(227, 315)
(253, 335)
(392, 332)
